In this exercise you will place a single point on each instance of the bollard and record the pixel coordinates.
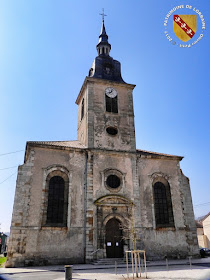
(68, 272)
(190, 260)
(166, 263)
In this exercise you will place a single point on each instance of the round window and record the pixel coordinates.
(113, 181)
(111, 130)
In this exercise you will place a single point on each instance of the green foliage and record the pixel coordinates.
(2, 260)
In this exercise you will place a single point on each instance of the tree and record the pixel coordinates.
(130, 233)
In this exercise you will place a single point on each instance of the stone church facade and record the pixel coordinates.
(78, 200)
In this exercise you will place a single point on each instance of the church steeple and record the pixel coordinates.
(103, 46)
(104, 66)
(105, 115)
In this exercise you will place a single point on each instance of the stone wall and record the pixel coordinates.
(177, 241)
(19, 224)
(35, 243)
(96, 119)
(188, 214)
(32, 242)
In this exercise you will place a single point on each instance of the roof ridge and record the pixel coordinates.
(205, 217)
(55, 141)
(70, 143)
(157, 153)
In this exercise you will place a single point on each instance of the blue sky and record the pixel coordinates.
(47, 48)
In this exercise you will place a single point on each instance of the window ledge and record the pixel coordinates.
(62, 228)
(166, 228)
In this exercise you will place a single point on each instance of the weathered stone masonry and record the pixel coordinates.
(74, 200)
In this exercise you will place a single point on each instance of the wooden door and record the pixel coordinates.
(114, 242)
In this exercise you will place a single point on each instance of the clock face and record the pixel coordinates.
(111, 92)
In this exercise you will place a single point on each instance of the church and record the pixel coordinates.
(80, 200)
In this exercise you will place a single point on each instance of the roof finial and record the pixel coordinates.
(103, 15)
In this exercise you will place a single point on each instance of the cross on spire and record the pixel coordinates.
(103, 15)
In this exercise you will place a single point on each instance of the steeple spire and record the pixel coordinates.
(104, 66)
(103, 47)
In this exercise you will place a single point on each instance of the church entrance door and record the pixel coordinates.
(114, 242)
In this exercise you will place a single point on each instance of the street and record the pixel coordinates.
(157, 273)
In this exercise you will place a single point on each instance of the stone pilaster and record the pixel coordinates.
(89, 212)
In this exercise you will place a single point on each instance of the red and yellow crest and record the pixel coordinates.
(185, 26)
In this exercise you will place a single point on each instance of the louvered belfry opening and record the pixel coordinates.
(55, 209)
(111, 104)
(82, 109)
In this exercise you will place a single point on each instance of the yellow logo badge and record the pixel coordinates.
(185, 26)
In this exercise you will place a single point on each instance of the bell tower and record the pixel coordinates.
(105, 104)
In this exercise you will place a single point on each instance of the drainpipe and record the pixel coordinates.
(85, 205)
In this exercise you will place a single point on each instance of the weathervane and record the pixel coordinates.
(103, 15)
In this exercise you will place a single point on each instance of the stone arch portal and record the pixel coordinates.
(113, 213)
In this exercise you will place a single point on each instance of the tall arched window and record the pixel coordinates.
(82, 109)
(163, 205)
(55, 208)
(111, 104)
(56, 199)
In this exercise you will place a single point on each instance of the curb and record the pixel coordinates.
(106, 267)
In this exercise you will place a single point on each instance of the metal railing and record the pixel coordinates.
(94, 252)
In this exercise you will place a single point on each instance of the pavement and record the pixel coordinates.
(176, 269)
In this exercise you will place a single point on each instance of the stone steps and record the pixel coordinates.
(110, 261)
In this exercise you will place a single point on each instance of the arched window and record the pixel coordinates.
(82, 108)
(91, 72)
(56, 205)
(55, 201)
(111, 104)
(163, 205)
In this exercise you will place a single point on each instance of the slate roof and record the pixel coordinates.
(104, 66)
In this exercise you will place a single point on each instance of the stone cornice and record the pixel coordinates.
(101, 81)
(141, 154)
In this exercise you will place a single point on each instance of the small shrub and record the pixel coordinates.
(2, 261)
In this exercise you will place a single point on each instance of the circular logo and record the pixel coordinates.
(184, 26)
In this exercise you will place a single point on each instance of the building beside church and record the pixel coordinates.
(74, 199)
(3, 243)
(203, 231)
